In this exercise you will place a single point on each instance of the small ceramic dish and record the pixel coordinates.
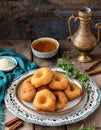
(7, 63)
(45, 47)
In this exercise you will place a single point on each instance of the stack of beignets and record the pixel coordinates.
(49, 90)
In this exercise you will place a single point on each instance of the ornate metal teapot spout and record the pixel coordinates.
(83, 39)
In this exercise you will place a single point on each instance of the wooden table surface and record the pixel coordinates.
(23, 47)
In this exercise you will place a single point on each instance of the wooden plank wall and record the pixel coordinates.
(30, 19)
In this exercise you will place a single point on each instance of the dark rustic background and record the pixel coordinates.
(30, 19)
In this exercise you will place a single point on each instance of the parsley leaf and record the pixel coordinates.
(93, 127)
(72, 72)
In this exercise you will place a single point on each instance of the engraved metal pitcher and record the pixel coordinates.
(83, 39)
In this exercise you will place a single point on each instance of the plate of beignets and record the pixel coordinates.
(48, 91)
(47, 97)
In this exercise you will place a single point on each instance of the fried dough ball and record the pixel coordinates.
(45, 100)
(43, 87)
(59, 82)
(72, 91)
(27, 80)
(61, 100)
(42, 77)
(27, 92)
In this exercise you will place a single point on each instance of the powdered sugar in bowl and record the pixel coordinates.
(7, 63)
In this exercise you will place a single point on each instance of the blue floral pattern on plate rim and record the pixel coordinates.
(92, 103)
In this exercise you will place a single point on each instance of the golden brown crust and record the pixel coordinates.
(49, 90)
(59, 82)
(41, 77)
(44, 100)
(61, 100)
(27, 92)
(72, 91)
(27, 80)
(43, 87)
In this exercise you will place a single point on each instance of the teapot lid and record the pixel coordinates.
(85, 13)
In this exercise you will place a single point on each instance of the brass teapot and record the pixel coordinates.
(83, 39)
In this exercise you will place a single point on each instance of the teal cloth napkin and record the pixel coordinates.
(6, 78)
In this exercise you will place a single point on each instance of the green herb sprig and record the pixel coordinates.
(72, 72)
(93, 127)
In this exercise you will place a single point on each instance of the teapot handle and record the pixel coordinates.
(98, 26)
(69, 25)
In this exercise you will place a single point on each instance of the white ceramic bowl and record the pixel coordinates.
(7, 63)
(41, 52)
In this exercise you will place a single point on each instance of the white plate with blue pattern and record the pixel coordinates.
(75, 111)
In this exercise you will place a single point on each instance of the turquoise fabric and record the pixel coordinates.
(6, 78)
